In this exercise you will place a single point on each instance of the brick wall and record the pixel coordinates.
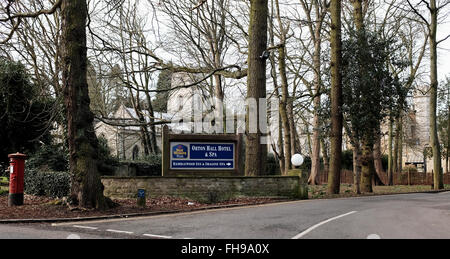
(202, 188)
(399, 179)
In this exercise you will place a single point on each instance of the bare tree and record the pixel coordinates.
(315, 12)
(336, 99)
(256, 152)
(433, 9)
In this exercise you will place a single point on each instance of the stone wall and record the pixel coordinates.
(205, 189)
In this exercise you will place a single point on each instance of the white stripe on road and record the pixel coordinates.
(373, 236)
(119, 231)
(157, 236)
(320, 224)
(73, 236)
(85, 227)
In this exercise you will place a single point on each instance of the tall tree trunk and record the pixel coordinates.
(273, 73)
(367, 166)
(314, 25)
(396, 144)
(315, 156)
(390, 158)
(280, 147)
(218, 104)
(448, 133)
(326, 159)
(367, 170)
(286, 120)
(87, 189)
(356, 149)
(283, 109)
(153, 141)
(377, 161)
(336, 99)
(255, 151)
(400, 143)
(356, 169)
(438, 178)
(295, 140)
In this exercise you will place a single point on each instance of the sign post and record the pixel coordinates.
(199, 154)
(141, 198)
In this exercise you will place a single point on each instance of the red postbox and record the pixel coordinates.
(16, 178)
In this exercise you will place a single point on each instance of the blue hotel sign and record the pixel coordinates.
(201, 155)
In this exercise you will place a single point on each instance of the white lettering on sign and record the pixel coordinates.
(198, 148)
(225, 148)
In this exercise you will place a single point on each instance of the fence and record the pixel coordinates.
(404, 178)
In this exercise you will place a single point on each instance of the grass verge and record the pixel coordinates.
(4, 183)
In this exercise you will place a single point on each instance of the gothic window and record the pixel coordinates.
(413, 131)
(135, 152)
(180, 102)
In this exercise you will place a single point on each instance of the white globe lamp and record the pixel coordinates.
(297, 160)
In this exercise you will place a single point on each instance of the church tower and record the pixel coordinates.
(417, 132)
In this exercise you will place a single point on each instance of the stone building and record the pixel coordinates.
(182, 105)
(416, 134)
(125, 142)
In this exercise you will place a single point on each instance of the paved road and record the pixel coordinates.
(391, 216)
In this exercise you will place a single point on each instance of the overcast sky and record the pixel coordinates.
(443, 52)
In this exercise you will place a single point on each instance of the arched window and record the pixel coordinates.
(135, 152)
(180, 102)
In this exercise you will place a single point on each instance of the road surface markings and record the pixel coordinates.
(73, 236)
(202, 211)
(320, 224)
(157, 236)
(84, 227)
(373, 236)
(119, 231)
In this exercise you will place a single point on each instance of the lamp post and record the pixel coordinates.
(297, 161)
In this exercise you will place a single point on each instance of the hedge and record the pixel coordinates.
(52, 184)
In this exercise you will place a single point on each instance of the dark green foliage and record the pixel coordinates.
(51, 184)
(50, 157)
(3, 170)
(368, 86)
(4, 185)
(152, 159)
(25, 116)
(307, 163)
(106, 162)
(347, 159)
(272, 165)
(384, 161)
(104, 153)
(145, 168)
(443, 117)
(163, 84)
(149, 165)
